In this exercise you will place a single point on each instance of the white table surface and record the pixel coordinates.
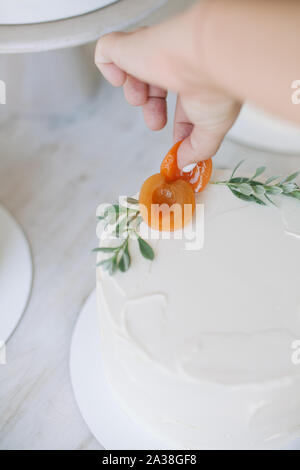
(53, 173)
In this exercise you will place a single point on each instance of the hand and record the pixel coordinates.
(150, 61)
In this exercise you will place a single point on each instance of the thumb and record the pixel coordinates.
(211, 120)
(199, 145)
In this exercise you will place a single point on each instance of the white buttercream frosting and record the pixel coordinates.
(198, 344)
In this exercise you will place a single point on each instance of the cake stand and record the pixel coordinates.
(84, 28)
(35, 11)
(107, 421)
(15, 274)
(68, 73)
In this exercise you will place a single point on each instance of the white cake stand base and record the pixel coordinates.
(15, 274)
(103, 415)
(110, 425)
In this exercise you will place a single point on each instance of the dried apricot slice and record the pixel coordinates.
(166, 206)
(168, 167)
(198, 177)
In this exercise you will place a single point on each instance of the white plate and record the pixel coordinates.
(81, 29)
(37, 11)
(259, 129)
(15, 274)
(107, 421)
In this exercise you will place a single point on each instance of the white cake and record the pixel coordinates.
(37, 11)
(198, 344)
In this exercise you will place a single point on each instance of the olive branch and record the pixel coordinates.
(252, 190)
(122, 221)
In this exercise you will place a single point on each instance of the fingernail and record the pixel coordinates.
(100, 59)
(189, 167)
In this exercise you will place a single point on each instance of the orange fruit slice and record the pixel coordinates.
(198, 177)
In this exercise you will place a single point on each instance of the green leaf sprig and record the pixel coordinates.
(122, 221)
(250, 189)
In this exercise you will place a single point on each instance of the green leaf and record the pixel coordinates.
(270, 200)
(251, 198)
(132, 200)
(113, 267)
(257, 200)
(239, 179)
(240, 195)
(273, 190)
(121, 227)
(288, 187)
(295, 194)
(105, 249)
(271, 179)
(258, 172)
(245, 189)
(105, 263)
(290, 178)
(145, 249)
(124, 263)
(236, 168)
(259, 189)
